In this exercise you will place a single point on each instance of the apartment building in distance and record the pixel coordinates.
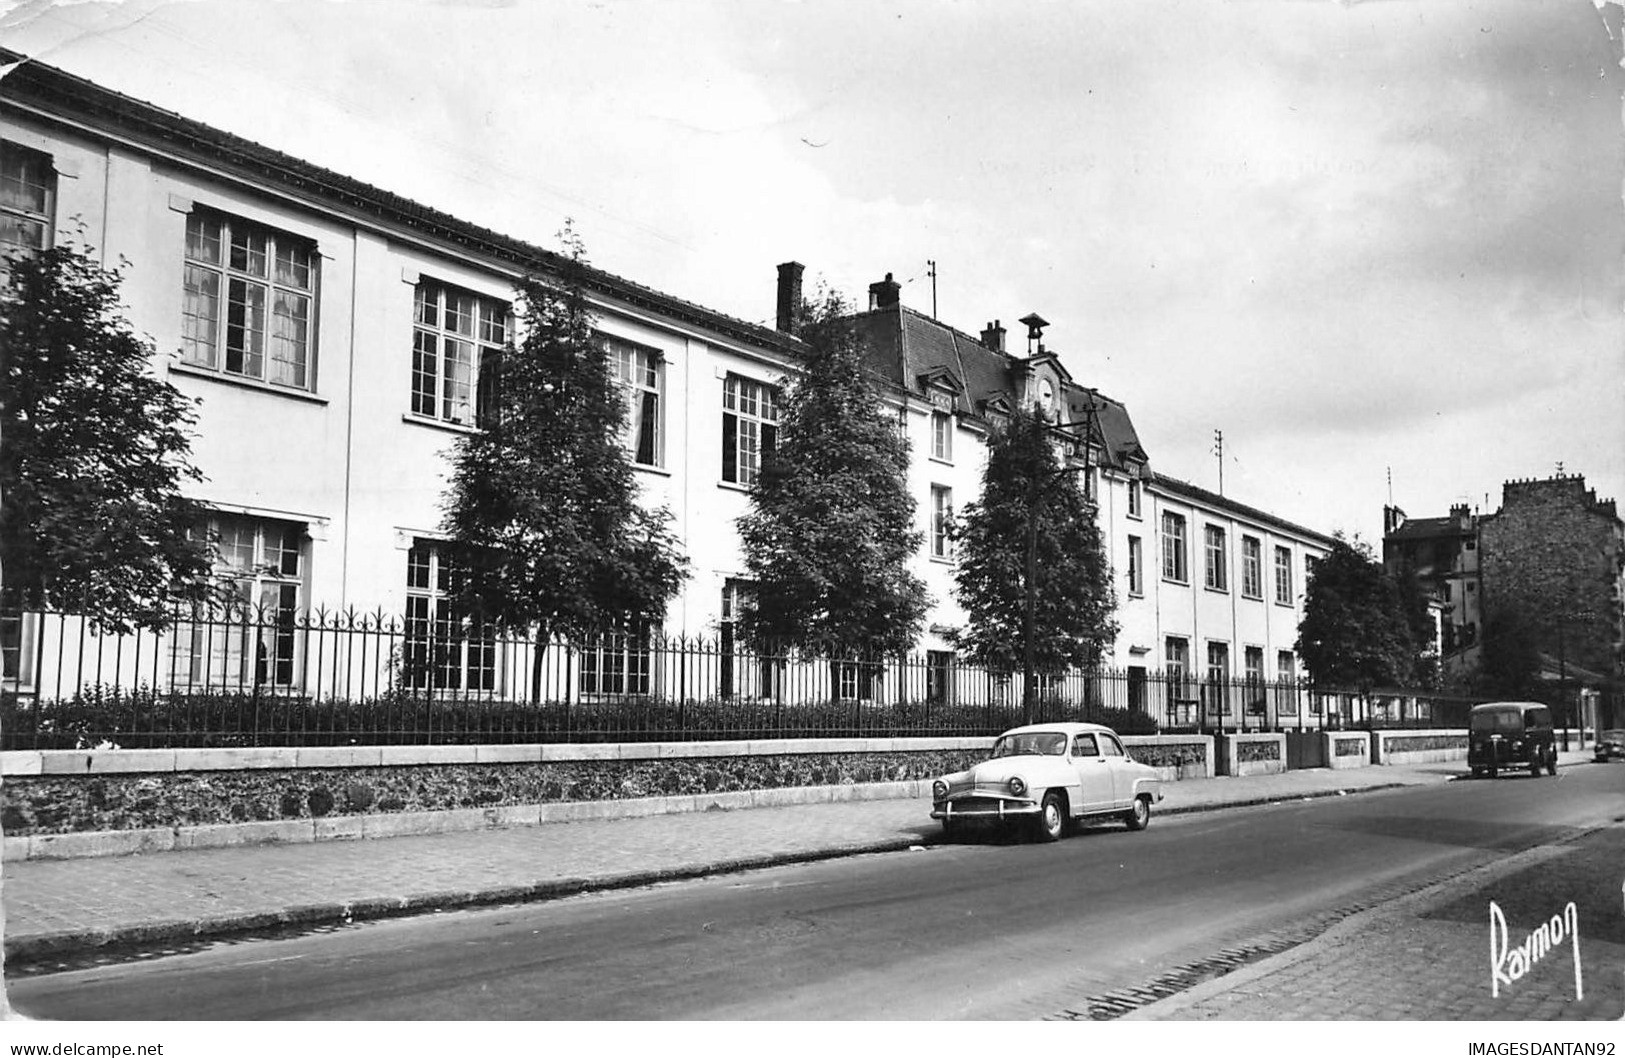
(335, 336)
(1443, 554)
(1552, 553)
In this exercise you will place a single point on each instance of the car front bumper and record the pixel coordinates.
(984, 808)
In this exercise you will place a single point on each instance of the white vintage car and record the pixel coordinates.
(1046, 776)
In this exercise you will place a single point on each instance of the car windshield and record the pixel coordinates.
(1042, 743)
(1495, 720)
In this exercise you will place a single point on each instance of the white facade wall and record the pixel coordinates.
(350, 462)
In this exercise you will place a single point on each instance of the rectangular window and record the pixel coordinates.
(741, 673)
(1136, 567)
(642, 374)
(457, 343)
(750, 426)
(249, 294)
(1254, 664)
(1252, 567)
(1216, 575)
(1286, 679)
(1173, 548)
(942, 510)
(18, 642)
(442, 649)
(620, 662)
(27, 199)
(856, 681)
(256, 640)
(939, 671)
(942, 436)
(1217, 692)
(1176, 668)
(1133, 498)
(1283, 575)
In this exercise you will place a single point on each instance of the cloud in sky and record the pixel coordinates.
(1351, 236)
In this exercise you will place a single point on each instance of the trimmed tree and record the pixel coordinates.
(1032, 575)
(94, 450)
(1355, 630)
(1509, 659)
(829, 534)
(543, 504)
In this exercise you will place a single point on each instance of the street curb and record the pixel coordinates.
(45, 945)
(1438, 892)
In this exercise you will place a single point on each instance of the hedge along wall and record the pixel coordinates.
(65, 803)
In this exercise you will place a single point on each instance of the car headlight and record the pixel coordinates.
(939, 790)
(1018, 785)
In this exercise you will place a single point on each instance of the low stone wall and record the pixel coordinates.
(1347, 749)
(1174, 756)
(1418, 747)
(65, 803)
(68, 803)
(1257, 753)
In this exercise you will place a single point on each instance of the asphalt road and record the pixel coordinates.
(986, 929)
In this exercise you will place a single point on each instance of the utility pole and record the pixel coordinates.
(931, 270)
(1218, 450)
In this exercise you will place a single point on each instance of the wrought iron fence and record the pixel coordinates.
(276, 677)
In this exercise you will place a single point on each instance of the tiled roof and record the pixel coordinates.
(903, 345)
(46, 90)
(1428, 528)
(1212, 499)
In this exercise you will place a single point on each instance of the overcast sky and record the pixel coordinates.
(1352, 236)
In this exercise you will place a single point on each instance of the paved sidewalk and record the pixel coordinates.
(1426, 956)
(65, 906)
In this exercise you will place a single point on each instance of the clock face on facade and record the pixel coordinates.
(1046, 399)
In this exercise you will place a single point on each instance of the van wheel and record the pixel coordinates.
(1534, 765)
(1551, 762)
(1492, 771)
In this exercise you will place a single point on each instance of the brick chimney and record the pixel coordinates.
(789, 295)
(884, 294)
(993, 336)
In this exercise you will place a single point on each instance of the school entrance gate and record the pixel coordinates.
(1305, 749)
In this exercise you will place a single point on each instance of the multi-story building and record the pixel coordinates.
(337, 339)
(1210, 591)
(1556, 554)
(1552, 555)
(1443, 555)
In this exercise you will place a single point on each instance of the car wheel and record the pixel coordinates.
(1051, 819)
(1139, 817)
(1492, 771)
(1534, 764)
(951, 829)
(1478, 773)
(1551, 762)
